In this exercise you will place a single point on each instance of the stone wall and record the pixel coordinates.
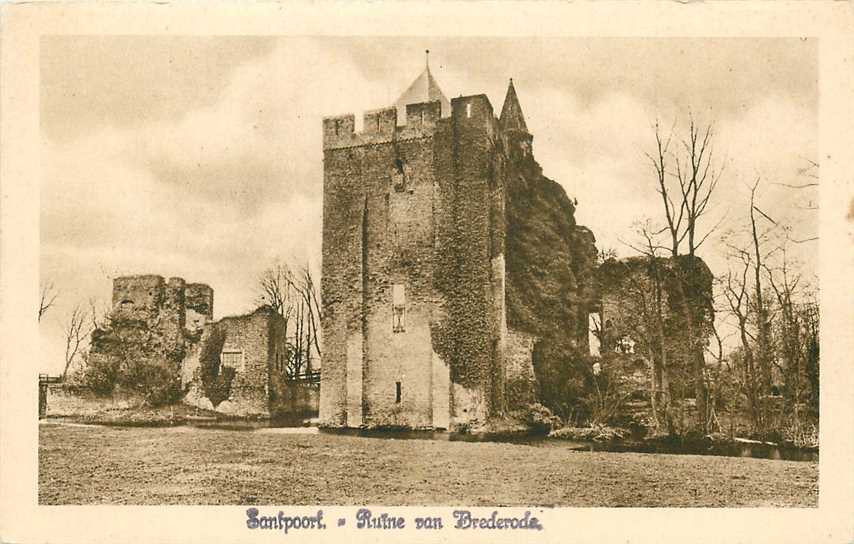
(134, 294)
(198, 301)
(255, 347)
(65, 400)
(173, 305)
(469, 339)
(378, 234)
(296, 399)
(405, 206)
(629, 285)
(456, 212)
(521, 384)
(682, 288)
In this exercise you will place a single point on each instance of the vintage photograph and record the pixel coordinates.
(494, 271)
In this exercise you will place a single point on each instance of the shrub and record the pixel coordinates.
(606, 392)
(560, 380)
(540, 419)
(131, 354)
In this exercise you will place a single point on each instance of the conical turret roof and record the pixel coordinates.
(423, 89)
(511, 113)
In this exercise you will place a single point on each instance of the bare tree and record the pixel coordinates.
(47, 298)
(294, 296)
(274, 287)
(748, 300)
(736, 291)
(673, 214)
(775, 329)
(646, 322)
(715, 383)
(77, 330)
(306, 287)
(97, 313)
(764, 352)
(795, 331)
(654, 313)
(696, 177)
(685, 203)
(307, 341)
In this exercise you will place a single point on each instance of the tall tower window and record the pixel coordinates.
(398, 391)
(398, 307)
(468, 110)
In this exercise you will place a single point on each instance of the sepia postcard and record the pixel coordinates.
(427, 272)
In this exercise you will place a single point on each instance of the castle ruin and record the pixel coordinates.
(414, 281)
(235, 365)
(177, 305)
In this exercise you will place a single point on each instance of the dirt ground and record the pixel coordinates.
(183, 465)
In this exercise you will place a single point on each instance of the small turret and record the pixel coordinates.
(512, 123)
(423, 89)
(511, 113)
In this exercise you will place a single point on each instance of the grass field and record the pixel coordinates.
(183, 465)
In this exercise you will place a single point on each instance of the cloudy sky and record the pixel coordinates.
(201, 157)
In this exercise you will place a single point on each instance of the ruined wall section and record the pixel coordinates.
(550, 260)
(198, 301)
(629, 285)
(138, 297)
(248, 336)
(173, 306)
(162, 305)
(254, 346)
(172, 315)
(521, 382)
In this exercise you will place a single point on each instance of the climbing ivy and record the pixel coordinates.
(216, 378)
(131, 354)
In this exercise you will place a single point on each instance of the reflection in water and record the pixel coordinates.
(759, 451)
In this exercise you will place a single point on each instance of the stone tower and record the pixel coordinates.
(413, 277)
(173, 304)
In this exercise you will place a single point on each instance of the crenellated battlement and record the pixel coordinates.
(381, 122)
(381, 126)
(422, 118)
(424, 115)
(338, 131)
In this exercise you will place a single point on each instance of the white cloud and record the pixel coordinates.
(213, 197)
(215, 194)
